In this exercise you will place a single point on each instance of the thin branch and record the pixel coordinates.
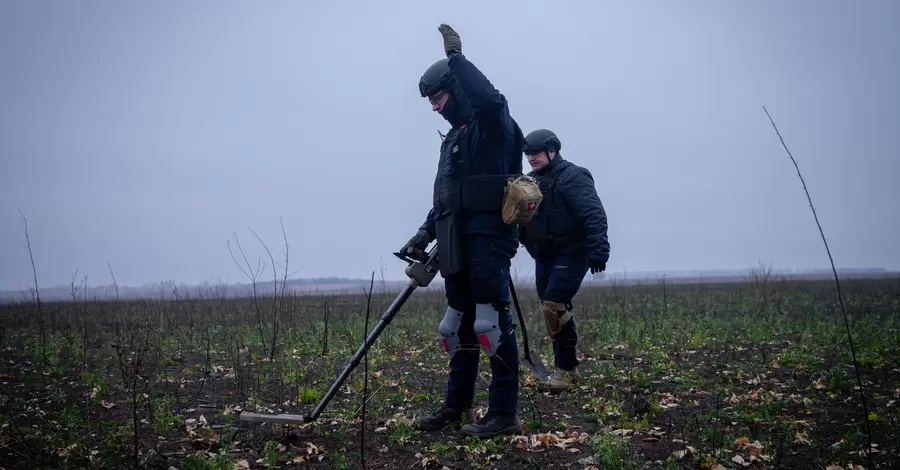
(36, 294)
(365, 394)
(837, 284)
(275, 309)
(253, 281)
(115, 284)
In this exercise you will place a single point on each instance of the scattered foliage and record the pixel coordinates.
(716, 376)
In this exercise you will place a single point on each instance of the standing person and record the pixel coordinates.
(475, 246)
(566, 238)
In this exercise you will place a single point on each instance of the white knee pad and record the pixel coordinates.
(487, 328)
(449, 330)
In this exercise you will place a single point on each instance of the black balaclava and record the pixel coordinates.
(457, 110)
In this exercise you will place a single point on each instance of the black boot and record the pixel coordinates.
(443, 417)
(493, 424)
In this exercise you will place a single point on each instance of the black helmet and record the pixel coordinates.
(541, 140)
(437, 77)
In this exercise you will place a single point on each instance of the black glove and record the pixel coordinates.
(452, 42)
(597, 266)
(415, 247)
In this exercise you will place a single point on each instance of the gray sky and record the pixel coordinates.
(144, 134)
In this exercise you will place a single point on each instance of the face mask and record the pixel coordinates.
(457, 111)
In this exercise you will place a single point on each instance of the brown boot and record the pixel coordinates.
(560, 381)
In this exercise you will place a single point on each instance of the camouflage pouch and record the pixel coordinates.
(521, 200)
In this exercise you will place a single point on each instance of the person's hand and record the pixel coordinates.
(597, 267)
(415, 247)
(452, 42)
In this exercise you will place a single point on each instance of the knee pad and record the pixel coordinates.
(449, 330)
(555, 316)
(487, 328)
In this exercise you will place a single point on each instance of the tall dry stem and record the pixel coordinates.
(837, 283)
(36, 293)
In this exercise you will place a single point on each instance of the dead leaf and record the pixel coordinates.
(311, 448)
(801, 438)
(542, 441)
(241, 464)
(739, 460)
(688, 451)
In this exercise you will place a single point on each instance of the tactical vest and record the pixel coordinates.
(459, 188)
(553, 226)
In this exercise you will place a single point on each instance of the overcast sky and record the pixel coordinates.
(144, 134)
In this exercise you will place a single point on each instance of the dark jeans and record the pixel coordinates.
(485, 281)
(558, 280)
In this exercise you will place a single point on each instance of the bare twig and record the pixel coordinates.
(84, 334)
(73, 291)
(287, 259)
(115, 284)
(837, 283)
(254, 280)
(365, 395)
(36, 293)
(129, 380)
(275, 308)
(325, 333)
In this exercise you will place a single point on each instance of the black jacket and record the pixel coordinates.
(476, 158)
(570, 219)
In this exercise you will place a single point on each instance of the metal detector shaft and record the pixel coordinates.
(361, 352)
(420, 275)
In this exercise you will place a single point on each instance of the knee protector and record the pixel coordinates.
(449, 330)
(555, 316)
(487, 328)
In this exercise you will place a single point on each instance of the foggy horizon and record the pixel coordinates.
(144, 135)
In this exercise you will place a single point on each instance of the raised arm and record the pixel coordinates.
(489, 105)
(487, 102)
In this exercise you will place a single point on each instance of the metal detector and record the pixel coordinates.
(420, 272)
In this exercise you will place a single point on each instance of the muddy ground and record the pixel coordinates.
(671, 377)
